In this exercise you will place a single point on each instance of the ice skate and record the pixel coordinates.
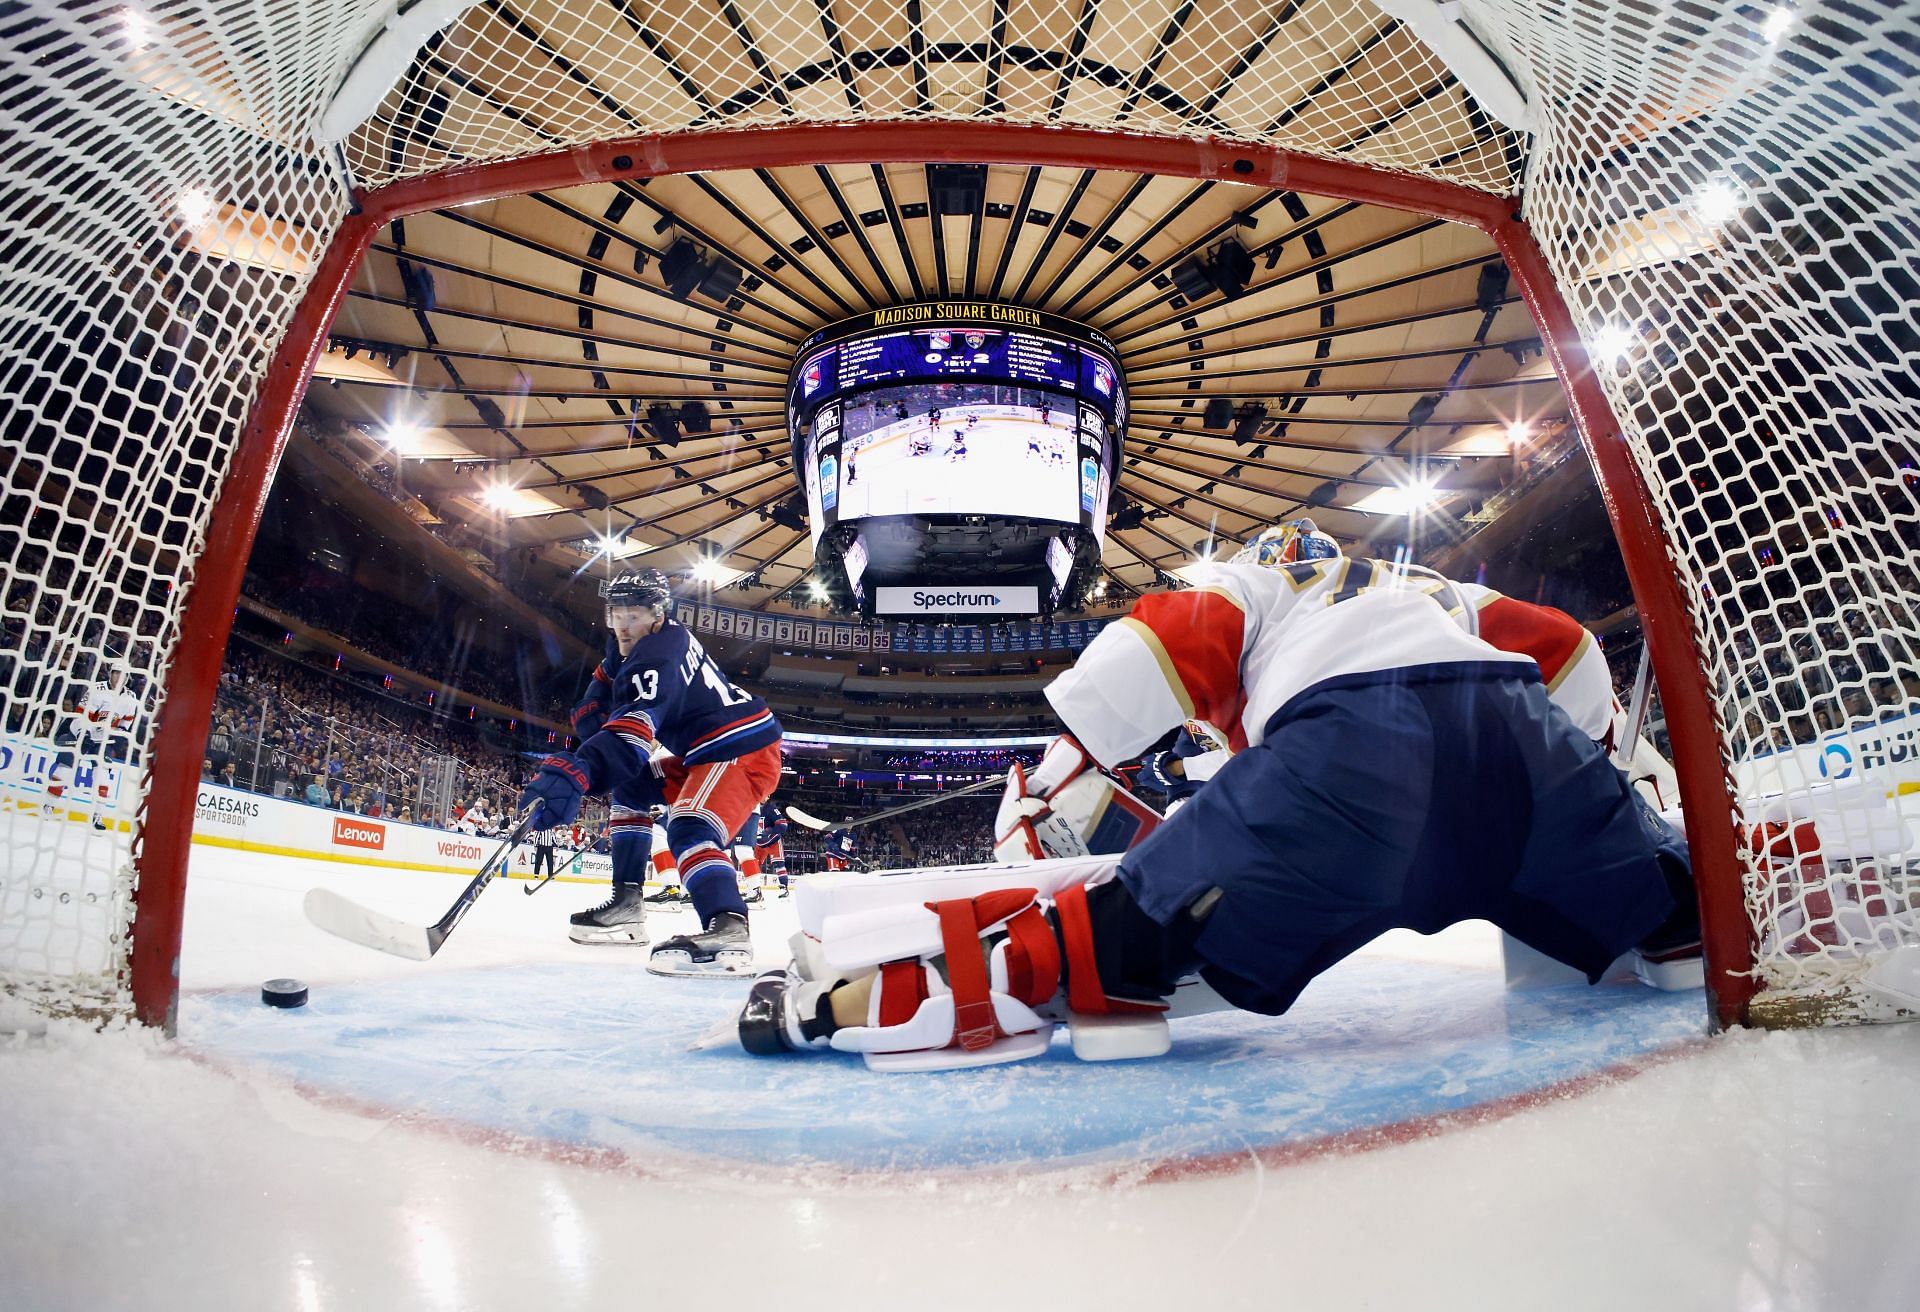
(671, 893)
(622, 918)
(725, 949)
(771, 1022)
(1672, 969)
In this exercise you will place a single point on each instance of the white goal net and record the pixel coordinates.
(1725, 195)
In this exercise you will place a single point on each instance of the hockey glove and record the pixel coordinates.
(1162, 771)
(558, 788)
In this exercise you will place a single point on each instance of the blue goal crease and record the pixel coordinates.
(599, 1060)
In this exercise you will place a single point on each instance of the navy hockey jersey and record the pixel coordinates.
(772, 825)
(668, 690)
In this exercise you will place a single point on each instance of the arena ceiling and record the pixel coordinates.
(511, 350)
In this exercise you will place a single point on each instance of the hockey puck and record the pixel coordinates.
(284, 993)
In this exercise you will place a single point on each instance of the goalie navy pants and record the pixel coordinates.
(1411, 804)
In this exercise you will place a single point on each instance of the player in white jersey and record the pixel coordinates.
(99, 730)
(1392, 770)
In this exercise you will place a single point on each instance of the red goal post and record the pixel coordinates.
(1705, 790)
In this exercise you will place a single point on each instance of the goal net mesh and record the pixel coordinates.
(1726, 195)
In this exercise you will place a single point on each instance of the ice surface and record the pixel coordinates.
(517, 1124)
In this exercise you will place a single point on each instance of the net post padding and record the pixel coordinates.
(187, 714)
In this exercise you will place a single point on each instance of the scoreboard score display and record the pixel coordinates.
(913, 423)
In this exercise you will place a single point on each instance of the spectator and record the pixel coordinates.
(317, 792)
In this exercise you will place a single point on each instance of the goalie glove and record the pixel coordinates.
(1068, 806)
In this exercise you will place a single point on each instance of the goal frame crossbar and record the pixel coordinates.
(166, 828)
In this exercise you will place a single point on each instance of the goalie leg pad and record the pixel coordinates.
(983, 1011)
(859, 920)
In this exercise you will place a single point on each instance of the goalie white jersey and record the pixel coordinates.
(1250, 638)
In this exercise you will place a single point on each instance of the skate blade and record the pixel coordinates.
(608, 938)
(724, 1034)
(678, 965)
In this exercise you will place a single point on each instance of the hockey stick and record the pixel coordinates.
(1636, 710)
(347, 919)
(806, 821)
(553, 867)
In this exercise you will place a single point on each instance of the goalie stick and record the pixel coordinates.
(347, 919)
(806, 821)
(1636, 710)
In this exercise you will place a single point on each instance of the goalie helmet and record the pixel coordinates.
(647, 588)
(1284, 544)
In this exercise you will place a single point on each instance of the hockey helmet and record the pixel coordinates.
(647, 588)
(1284, 544)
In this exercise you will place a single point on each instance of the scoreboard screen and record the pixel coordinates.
(957, 409)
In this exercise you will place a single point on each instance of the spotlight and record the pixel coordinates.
(1716, 202)
(1518, 432)
(1612, 342)
(196, 207)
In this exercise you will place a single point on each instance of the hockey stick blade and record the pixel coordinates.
(806, 821)
(344, 918)
(349, 920)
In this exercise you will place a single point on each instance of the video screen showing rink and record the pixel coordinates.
(962, 449)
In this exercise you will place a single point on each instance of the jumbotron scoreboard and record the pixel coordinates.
(957, 457)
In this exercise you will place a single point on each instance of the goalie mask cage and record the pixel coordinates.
(1709, 208)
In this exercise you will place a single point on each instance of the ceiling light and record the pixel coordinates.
(401, 437)
(499, 496)
(1401, 498)
(1519, 431)
(1612, 343)
(817, 590)
(196, 207)
(1717, 202)
(709, 570)
(1777, 24)
(139, 31)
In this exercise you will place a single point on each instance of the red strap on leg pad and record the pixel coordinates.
(976, 1005)
(1084, 994)
(973, 1022)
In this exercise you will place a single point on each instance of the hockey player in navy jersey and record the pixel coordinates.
(1391, 768)
(838, 850)
(769, 845)
(660, 721)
